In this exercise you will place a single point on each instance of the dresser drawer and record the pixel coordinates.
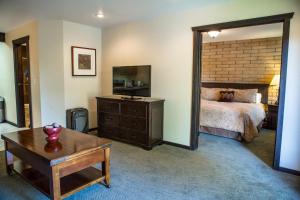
(134, 109)
(138, 124)
(109, 119)
(134, 136)
(109, 106)
(109, 132)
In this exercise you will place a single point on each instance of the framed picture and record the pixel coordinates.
(83, 61)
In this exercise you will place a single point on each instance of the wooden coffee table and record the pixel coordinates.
(58, 169)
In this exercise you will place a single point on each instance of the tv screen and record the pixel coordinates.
(132, 80)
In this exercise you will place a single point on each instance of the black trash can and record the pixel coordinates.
(78, 119)
(2, 110)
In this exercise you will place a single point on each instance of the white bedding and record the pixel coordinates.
(232, 116)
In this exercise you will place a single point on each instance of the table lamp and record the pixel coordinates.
(275, 83)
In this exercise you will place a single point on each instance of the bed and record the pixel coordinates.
(236, 120)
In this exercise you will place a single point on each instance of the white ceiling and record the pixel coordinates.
(17, 12)
(251, 32)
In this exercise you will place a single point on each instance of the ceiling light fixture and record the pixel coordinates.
(213, 34)
(100, 14)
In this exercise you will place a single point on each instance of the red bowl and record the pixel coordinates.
(52, 133)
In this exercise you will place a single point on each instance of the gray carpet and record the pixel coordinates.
(263, 146)
(220, 169)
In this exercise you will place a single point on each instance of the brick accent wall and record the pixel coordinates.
(243, 61)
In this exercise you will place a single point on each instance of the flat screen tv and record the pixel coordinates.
(132, 80)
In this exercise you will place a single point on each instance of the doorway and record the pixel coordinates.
(249, 83)
(22, 82)
(197, 68)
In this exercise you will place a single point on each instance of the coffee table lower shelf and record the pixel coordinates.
(68, 185)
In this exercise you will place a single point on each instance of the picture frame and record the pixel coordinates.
(83, 61)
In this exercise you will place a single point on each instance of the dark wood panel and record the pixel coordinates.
(69, 184)
(74, 144)
(139, 122)
(262, 88)
(20, 51)
(38, 162)
(2, 37)
(108, 119)
(134, 136)
(271, 119)
(109, 132)
(82, 163)
(135, 109)
(109, 106)
(196, 92)
(244, 23)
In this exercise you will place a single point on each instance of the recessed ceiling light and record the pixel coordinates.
(100, 14)
(213, 34)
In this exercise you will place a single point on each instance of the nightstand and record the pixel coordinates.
(271, 119)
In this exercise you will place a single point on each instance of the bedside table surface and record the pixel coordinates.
(272, 108)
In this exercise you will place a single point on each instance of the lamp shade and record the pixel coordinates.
(275, 80)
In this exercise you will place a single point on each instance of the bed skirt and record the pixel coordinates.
(221, 132)
(225, 133)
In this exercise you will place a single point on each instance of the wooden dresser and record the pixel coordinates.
(138, 122)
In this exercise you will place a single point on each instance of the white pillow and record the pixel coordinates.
(258, 97)
(245, 95)
(211, 94)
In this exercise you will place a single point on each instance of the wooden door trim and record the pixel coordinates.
(196, 92)
(244, 23)
(282, 18)
(2, 37)
(17, 43)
